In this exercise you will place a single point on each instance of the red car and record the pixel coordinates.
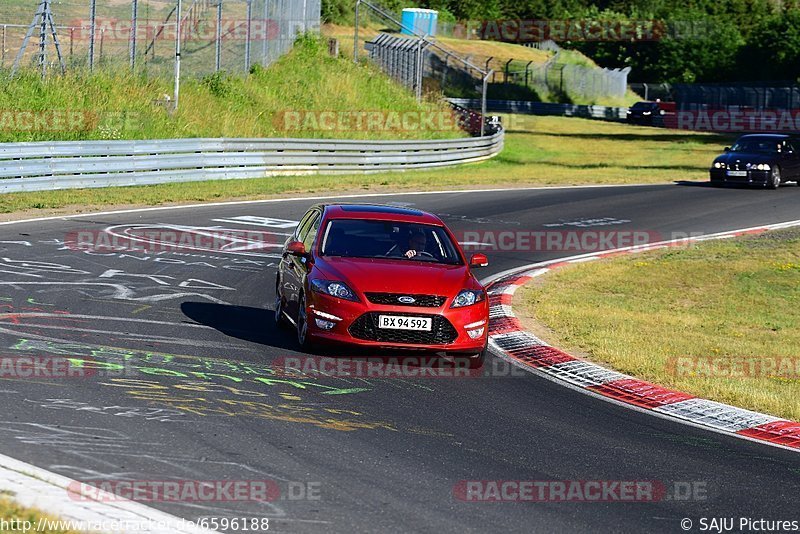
(382, 277)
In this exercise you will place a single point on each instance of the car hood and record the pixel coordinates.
(396, 276)
(731, 158)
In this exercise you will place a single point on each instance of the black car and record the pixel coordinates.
(758, 159)
(646, 113)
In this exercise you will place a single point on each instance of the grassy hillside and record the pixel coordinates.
(494, 54)
(119, 105)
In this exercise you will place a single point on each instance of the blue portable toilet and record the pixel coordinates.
(423, 21)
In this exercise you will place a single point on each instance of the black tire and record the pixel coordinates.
(280, 317)
(302, 325)
(774, 178)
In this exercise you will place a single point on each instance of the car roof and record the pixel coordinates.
(771, 135)
(380, 212)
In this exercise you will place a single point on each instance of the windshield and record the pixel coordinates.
(352, 238)
(644, 106)
(768, 145)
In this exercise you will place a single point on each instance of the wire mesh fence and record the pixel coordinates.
(227, 35)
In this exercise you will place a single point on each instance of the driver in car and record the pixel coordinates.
(417, 242)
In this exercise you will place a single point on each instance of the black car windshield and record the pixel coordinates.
(354, 238)
(644, 106)
(768, 145)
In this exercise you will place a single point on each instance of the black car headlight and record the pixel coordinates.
(334, 289)
(758, 166)
(719, 165)
(467, 297)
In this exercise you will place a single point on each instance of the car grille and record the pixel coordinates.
(424, 301)
(366, 327)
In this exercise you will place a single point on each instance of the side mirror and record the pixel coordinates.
(727, 149)
(478, 260)
(296, 248)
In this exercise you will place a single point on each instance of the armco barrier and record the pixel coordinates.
(44, 166)
(543, 108)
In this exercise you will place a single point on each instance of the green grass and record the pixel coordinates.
(734, 300)
(539, 151)
(120, 105)
(11, 511)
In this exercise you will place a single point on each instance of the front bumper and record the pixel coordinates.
(355, 324)
(749, 177)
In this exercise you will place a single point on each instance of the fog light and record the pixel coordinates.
(325, 325)
(475, 334)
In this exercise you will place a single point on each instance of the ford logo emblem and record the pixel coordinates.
(407, 300)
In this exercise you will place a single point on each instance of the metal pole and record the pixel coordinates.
(177, 56)
(505, 79)
(102, 42)
(483, 101)
(355, 34)
(43, 39)
(265, 44)
(526, 72)
(249, 30)
(92, 28)
(418, 73)
(71, 43)
(3, 61)
(219, 36)
(134, 26)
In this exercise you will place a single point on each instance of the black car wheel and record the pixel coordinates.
(280, 316)
(302, 325)
(774, 178)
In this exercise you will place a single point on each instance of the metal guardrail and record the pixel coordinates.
(43, 166)
(542, 108)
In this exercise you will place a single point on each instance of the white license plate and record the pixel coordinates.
(737, 173)
(396, 322)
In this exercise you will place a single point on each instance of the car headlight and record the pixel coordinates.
(763, 167)
(717, 165)
(334, 289)
(646, 112)
(467, 297)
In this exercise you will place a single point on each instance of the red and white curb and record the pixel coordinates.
(508, 338)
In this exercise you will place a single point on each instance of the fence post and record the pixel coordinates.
(265, 44)
(249, 33)
(355, 34)
(3, 60)
(526, 72)
(218, 53)
(505, 77)
(92, 27)
(177, 55)
(134, 26)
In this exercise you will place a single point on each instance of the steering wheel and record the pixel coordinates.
(423, 253)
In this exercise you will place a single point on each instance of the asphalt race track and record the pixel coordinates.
(194, 400)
